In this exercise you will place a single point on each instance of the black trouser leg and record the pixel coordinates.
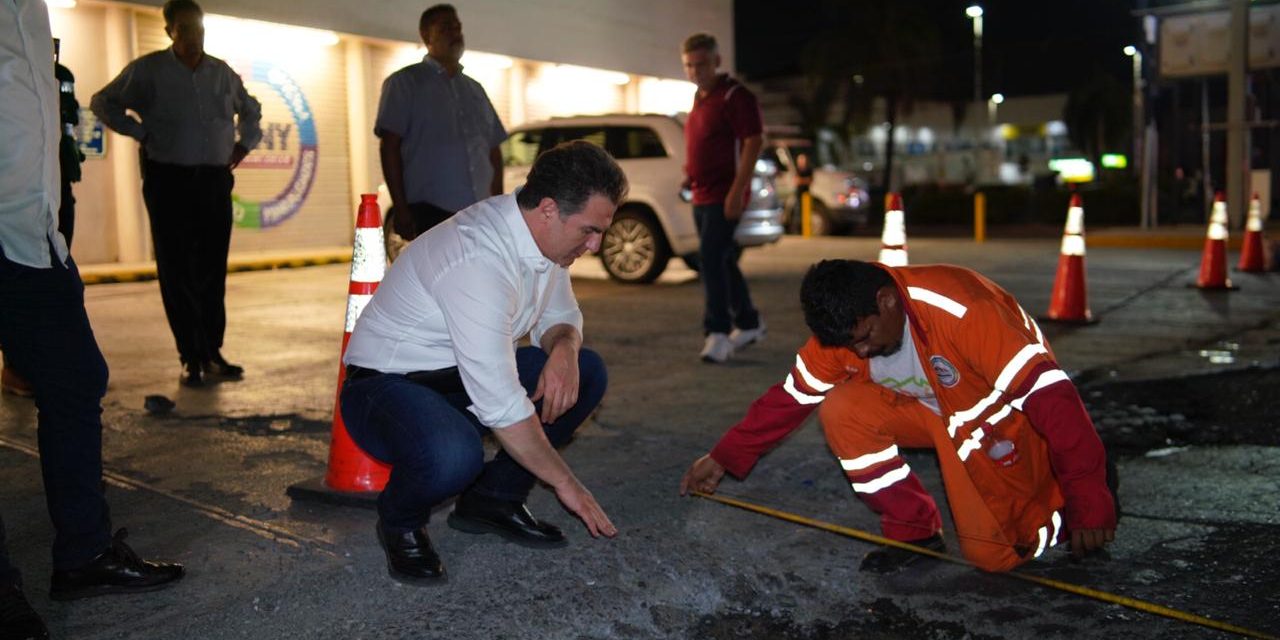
(47, 336)
(214, 242)
(190, 213)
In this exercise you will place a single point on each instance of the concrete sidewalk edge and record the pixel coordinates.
(109, 273)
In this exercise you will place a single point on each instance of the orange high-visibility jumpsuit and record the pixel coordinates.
(995, 378)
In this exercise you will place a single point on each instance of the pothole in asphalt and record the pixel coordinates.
(275, 425)
(1221, 408)
(881, 619)
(1231, 575)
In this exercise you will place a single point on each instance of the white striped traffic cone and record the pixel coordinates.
(353, 477)
(1069, 302)
(1253, 257)
(1213, 260)
(893, 239)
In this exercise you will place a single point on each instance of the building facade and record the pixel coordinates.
(318, 66)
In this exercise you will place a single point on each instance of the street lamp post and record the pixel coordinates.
(992, 160)
(1139, 157)
(1138, 119)
(975, 14)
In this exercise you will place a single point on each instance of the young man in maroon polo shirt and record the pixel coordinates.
(722, 139)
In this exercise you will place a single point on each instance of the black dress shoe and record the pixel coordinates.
(192, 375)
(892, 559)
(18, 621)
(410, 557)
(116, 570)
(217, 366)
(511, 520)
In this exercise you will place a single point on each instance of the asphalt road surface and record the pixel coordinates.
(1179, 381)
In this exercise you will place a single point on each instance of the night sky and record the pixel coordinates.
(1029, 46)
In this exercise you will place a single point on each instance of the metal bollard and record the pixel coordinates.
(979, 217)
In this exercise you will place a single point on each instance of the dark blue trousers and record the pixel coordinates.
(433, 442)
(728, 302)
(46, 338)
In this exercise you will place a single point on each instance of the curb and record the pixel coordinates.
(112, 273)
(1154, 241)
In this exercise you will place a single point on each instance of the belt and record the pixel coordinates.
(355, 372)
(444, 381)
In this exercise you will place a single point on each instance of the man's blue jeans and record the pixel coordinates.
(433, 442)
(728, 302)
(47, 339)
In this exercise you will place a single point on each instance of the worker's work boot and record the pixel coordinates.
(892, 559)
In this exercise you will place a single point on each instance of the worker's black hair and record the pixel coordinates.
(835, 294)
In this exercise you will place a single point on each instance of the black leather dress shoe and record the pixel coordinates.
(116, 570)
(192, 375)
(892, 559)
(410, 557)
(511, 520)
(217, 366)
(18, 621)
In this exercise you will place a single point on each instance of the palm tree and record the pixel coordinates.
(891, 48)
(1098, 116)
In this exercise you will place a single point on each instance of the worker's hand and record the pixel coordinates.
(704, 475)
(238, 153)
(1085, 541)
(557, 384)
(581, 503)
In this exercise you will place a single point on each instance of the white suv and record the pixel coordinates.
(655, 222)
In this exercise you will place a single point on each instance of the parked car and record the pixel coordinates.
(840, 199)
(655, 222)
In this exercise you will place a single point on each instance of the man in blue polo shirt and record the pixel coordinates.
(439, 133)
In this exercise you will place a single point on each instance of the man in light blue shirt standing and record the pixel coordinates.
(192, 106)
(46, 335)
(439, 133)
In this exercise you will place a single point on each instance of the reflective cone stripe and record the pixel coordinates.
(349, 468)
(893, 239)
(1252, 255)
(1213, 260)
(1069, 302)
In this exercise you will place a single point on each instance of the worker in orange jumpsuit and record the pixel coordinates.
(935, 357)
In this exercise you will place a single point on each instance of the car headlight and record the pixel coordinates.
(765, 167)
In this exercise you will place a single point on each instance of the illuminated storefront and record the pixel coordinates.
(319, 92)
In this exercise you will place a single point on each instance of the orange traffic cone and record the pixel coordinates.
(1252, 255)
(1069, 302)
(1213, 261)
(893, 239)
(353, 477)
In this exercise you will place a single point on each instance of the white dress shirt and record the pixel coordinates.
(187, 114)
(461, 295)
(30, 192)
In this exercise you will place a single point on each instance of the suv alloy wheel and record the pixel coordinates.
(634, 249)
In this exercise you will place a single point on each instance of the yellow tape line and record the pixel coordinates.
(1132, 603)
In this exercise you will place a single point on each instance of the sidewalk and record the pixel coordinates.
(1166, 237)
(111, 272)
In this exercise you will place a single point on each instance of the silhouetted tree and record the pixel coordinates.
(1099, 115)
(893, 48)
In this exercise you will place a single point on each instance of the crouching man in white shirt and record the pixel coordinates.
(433, 363)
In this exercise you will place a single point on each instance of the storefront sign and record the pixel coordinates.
(303, 161)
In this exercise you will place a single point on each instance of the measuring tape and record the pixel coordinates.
(1132, 603)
